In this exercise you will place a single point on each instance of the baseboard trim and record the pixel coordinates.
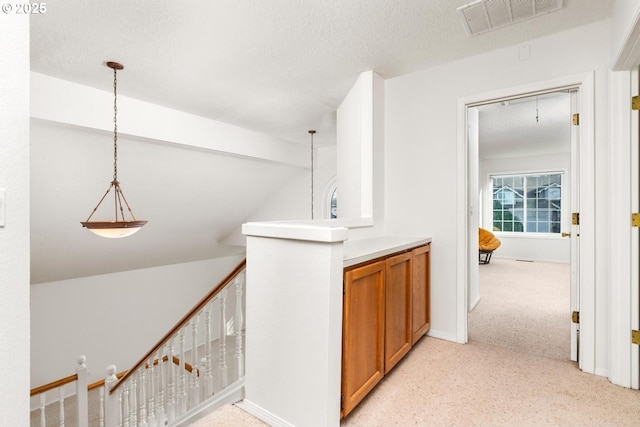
(262, 414)
(474, 303)
(231, 394)
(441, 335)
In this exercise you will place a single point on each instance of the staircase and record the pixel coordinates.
(196, 367)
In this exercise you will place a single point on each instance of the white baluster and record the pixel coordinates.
(82, 398)
(239, 325)
(161, 384)
(171, 397)
(61, 400)
(202, 396)
(126, 412)
(134, 400)
(143, 397)
(182, 386)
(152, 394)
(222, 358)
(121, 413)
(206, 365)
(43, 405)
(195, 387)
(101, 419)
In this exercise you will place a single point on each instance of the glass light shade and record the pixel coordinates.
(114, 229)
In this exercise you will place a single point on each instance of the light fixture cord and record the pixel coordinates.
(312, 132)
(115, 125)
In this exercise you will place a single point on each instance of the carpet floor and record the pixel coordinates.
(525, 307)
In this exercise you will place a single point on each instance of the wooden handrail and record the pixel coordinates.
(53, 384)
(182, 322)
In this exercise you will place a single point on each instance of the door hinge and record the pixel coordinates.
(635, 102)
(635, 337)
(342, 401)
(575, 218)
(575, 317)
(576, 119)
(635, 219)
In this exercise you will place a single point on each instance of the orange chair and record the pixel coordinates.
(487, 243)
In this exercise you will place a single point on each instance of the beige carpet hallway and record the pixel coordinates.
(515, 370)
(524, 306)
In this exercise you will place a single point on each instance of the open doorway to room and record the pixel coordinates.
(524, 182)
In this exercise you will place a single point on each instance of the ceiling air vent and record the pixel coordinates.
(486, 15)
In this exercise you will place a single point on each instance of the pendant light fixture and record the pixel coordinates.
(312, 132)
(120, 226)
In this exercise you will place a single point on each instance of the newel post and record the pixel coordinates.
(111, 403)
(82, 392)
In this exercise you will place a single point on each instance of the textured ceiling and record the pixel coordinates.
(279, 67)
(526, 127)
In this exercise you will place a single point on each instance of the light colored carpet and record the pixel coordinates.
(446, 384)
(525, 307)
(229, 415)
(440, 383)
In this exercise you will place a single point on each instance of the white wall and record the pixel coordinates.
(534, 248)
(624, 17)
(421, 157)
(360, 129)
(353, 139)
(294, 272)
(14, 236)
(113, 318)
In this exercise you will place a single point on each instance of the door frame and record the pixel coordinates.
(624, 368)
(585, 83)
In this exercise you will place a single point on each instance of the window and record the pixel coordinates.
(333, 204)
(527, 203)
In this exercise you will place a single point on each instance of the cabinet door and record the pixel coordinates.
(421, 292)
(362, 332)
(397, 341)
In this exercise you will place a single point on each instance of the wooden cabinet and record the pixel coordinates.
(421, 307)
(385, 311)
(398, 317)
(362, 332)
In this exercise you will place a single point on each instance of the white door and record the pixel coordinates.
(575, 229)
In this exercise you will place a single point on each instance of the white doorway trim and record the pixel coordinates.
(624, 240)
(585, 82)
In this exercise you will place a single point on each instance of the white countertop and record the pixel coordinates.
(358, 251)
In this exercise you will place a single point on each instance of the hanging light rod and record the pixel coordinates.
(120, 226)
(312, 132)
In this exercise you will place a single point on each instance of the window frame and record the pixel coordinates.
(564, 208)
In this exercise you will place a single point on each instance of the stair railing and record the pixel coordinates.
(80, 378)
(153, 392)
(56, 392)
